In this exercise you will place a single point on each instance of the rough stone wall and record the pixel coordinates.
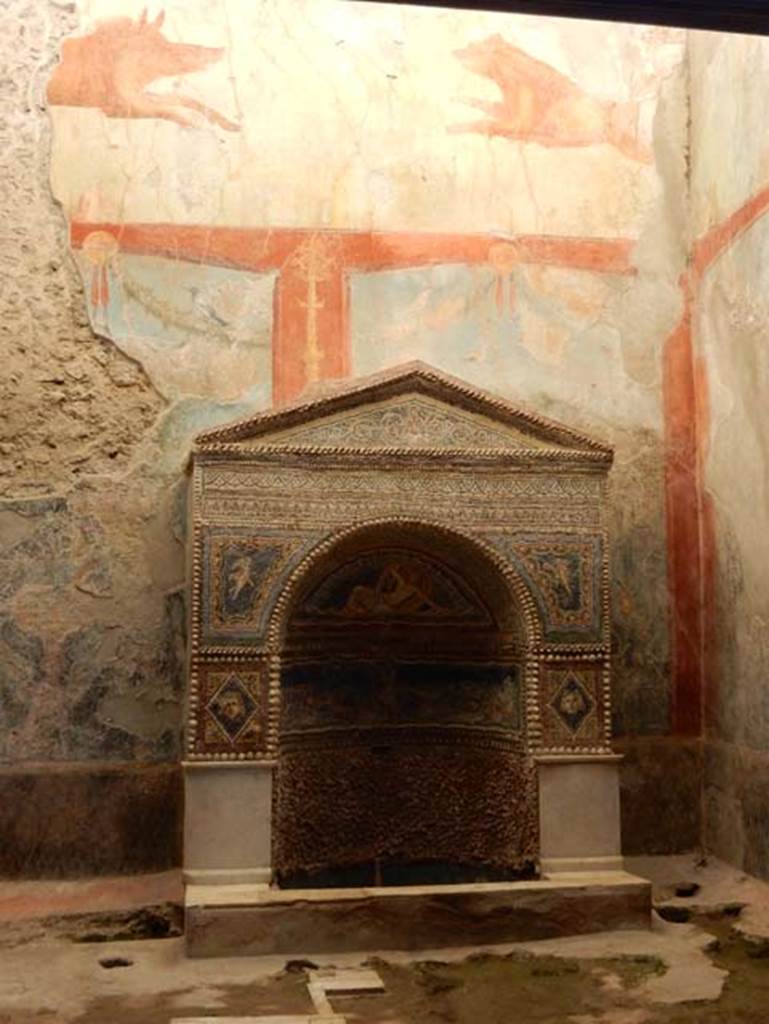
(91, 547)
(730, 76)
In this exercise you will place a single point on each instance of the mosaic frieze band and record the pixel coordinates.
(329, 696)
(234, 709)
(282, 496)
(409, 422)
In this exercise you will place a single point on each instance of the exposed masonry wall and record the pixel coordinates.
(91, 551)
(92, 544)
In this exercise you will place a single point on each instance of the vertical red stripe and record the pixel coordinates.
(682, 495)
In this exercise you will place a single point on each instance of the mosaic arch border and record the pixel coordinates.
(267, 662)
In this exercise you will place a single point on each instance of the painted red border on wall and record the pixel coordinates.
(689, 510)
(328, 257)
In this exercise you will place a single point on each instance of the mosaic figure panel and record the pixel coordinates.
(572, 707)
(243, 575)
(390, 586)
(564, 573)
(232, 707)
(334, 695)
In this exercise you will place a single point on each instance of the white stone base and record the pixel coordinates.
(227, 814)
(227, 876)
(302, 1018)
(579, 822)
(577, 865)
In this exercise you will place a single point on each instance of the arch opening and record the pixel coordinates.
(402, 749)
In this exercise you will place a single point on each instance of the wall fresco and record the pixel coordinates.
(490, 193)
(539, 104)
(417, 207)
(110, 69)
(728, 342)
(383, 164)
(235, 241)
(200, 331)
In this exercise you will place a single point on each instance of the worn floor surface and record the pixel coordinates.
(78, 953)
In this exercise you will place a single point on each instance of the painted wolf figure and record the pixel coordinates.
(541, 105)
(110, 69)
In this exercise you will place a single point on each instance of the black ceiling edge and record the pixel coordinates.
(749, 16)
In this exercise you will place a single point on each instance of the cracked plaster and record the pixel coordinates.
(96, 416)
(729, 80)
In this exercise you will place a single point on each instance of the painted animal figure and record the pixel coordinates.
(541, 105)
(110, 69)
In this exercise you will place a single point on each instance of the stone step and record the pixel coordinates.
(239, 920)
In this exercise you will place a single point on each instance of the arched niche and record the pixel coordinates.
(402, 737)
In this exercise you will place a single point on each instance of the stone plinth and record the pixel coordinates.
(235, 920)
(579, 820)
(222, 844)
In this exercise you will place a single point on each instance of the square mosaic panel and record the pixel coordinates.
(572, 708)
(231, 714)
(242, 575)
(564, 575)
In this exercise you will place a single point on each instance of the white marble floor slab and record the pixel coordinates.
(302, 1018)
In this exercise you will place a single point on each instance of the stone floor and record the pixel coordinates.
(78, 953)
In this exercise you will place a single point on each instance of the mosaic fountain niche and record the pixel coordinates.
(398, 727)
(402, 696)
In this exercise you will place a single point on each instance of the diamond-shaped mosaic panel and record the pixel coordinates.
(572, 703)
(232, 707)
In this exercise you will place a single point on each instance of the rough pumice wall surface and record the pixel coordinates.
(91, 546)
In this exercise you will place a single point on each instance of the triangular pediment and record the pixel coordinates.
(411, 408)
(409, 421)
